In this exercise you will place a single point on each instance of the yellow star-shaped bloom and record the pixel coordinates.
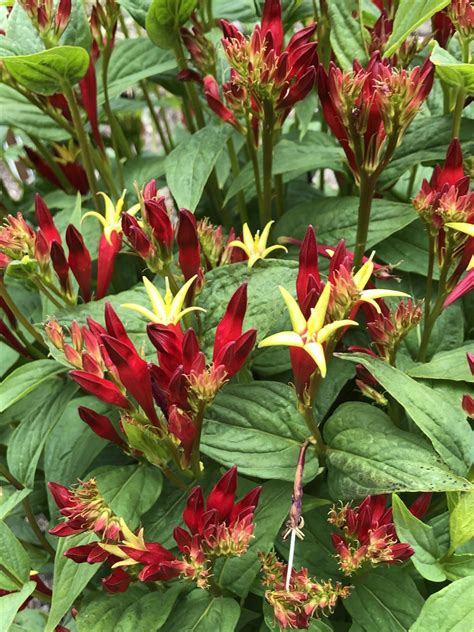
(308, 334)
(255, 247)
(362, 277)
(168, 310)
(112, 219)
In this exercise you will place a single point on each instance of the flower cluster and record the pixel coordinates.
(446, 205)
(369, 109)
(107, 365)
(266, 81)
(217, 527)
(49, 20)
(305, 598)
(322, 309)
(368, 533)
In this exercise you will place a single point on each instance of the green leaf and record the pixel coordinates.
(165, 17)
(264, 308)
(461, 526)
(13, 556)
(29, 438)
(451, 71)
(17, 112)
(129, 611)
(409, 16)
(347, 32)
(44, 72)
(77, 31)
(132, 61)
(444, 425)
(29, 620)
(449, 610)
(447, 365)
(238, 573)
(256, 427)
(21, 36)
(10, 604)
(385, 599)
(367, 454)
(421, 537)
(69, 578)
(8, 501)
(26, 379)
(199, 612)
(458, 566)
(337, 217)
(189, 165)
(130, 490)
(137, 9)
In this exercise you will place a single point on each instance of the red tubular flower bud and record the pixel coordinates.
(117, 582)
(90, 553)
(189, 255)
(236, 353)
(183, 428)
(42, 248)
(214, 101)
(45, 221)
(79, 260)
(136, 236)
(194, 510)
(60, 265)
(63, 14)
(103, 389)
(11, 340)
(106, 261)
(308, 271)
(133, 373)
(160, 222)
(60, 494)
(115, 327)
(272, 22)
(230, 325)
(100, 424)
(150, 191)
(222, 496)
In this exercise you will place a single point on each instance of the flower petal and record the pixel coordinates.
(298, 321)
(316, 351)
(284, 338)
(318, 313)
(327, 331)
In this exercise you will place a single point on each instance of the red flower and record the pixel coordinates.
(108, 250)
(117, 582)
(221, 526)
(45, 221)
(103, 389)
(100, 424)
(369, 535)
(80, 261)
(189, 250)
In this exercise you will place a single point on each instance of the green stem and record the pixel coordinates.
(28, 510)
(280, 195)
(83, 140)
(411, 182)
(366, 195)
(267, 149)
(256, 169)
(458, 110)
(195, 453)
(234, 163)
(42, 288)
(154, 118)
(169, 135)
(21, 318)
(429, 278)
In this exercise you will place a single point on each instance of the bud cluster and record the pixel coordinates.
(49, 20)
(305, 598)
(368, 535)
(461, 14)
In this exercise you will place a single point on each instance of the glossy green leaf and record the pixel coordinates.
(29, 438)
(347, 34)
(45, 72)
(336, 218)
(256, 427)
(136, 609)
(409, 16)
(199, 611)
(385, 599)
(26, 379)
(461, 526)
(17, 112)
(451, 71)
(69, 578)
(444, 425)
(447, 365)
(132, 61)
(10, 604)
(422, 539)
(449, 610)
(8, 501)
(460, 565)
(137, 9)
(165, 17)
(129, 490)
(13, 556)
(189, 165)
(367, 454)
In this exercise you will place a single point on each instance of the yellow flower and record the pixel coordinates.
(255, 247)
(308, 334)
(361, 278)
(463, 227)
(130, 540)
(168, 310)
(112, 221)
